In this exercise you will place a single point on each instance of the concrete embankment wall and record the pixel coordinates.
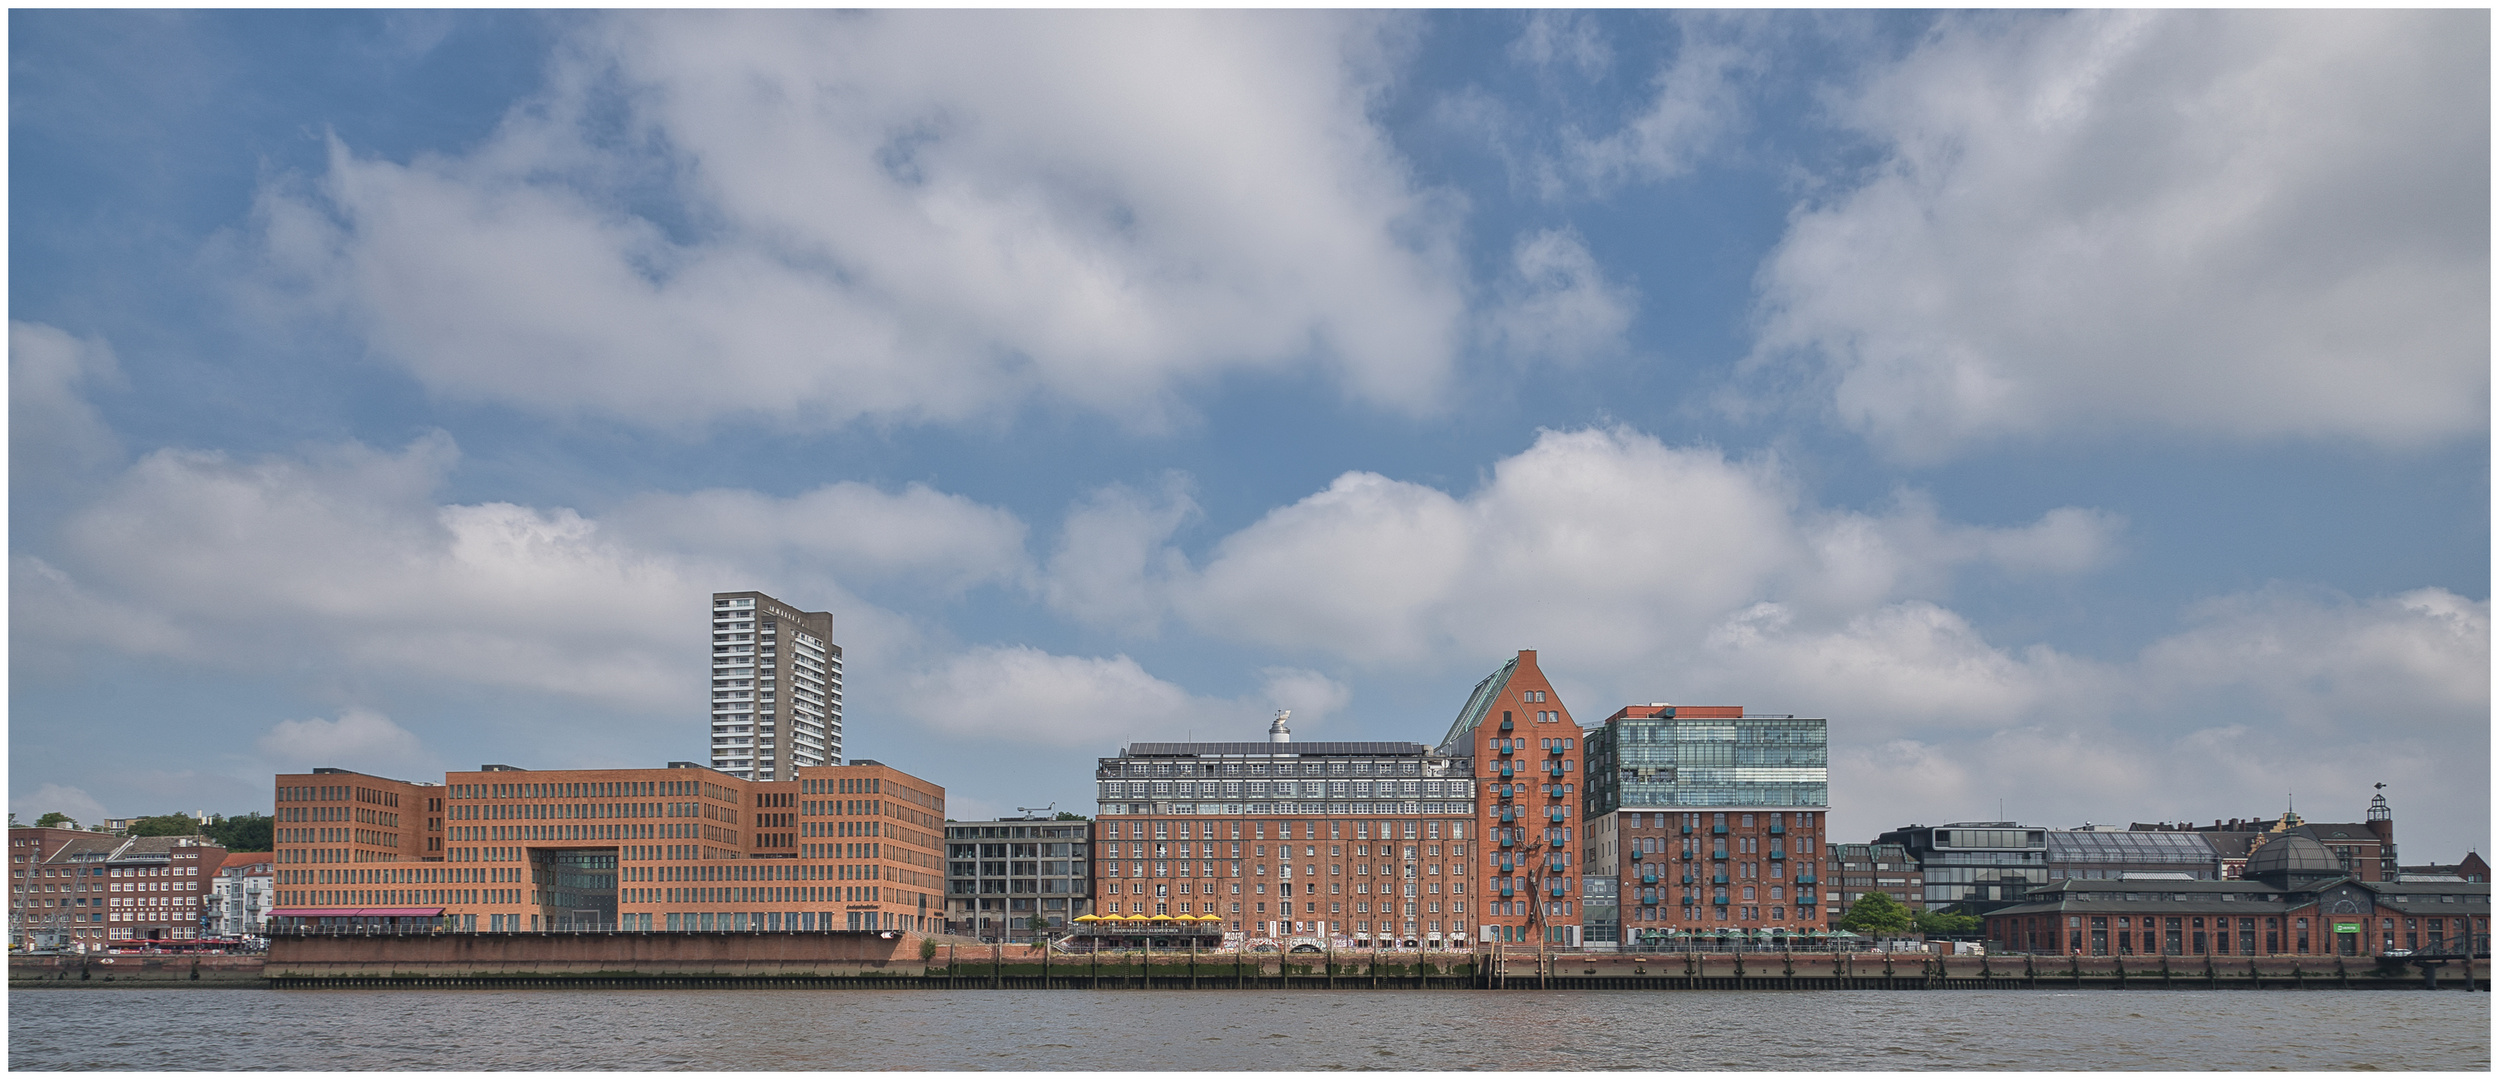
(866, 959)
(564, 955)
(95, 971)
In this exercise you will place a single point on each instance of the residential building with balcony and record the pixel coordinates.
(776, 688)
(1001, 875)
(1714, 820)
(1528, 762)
(1976, 866)
(1850, 871)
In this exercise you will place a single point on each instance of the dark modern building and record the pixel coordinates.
(1975, 866)
(1853, 870)
(1001, 874)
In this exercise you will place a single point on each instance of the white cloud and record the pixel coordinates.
(1557, 305)
(80, 806)
(1604, 545)
(2236, 224)
(1554, 38)
(1695, 104)
(2408, 663)
(814, 218)
(1025, 695)
(1313, 697)
(346, 554)
(56, 438)
(1112, 565)
(360, 739)
(854, 529)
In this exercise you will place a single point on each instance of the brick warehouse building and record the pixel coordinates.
(1528, 759)
(95, 890)
(1362, 841)
(2295, 899)
(500, 849)
(1713, 820)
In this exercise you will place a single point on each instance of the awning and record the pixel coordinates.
(347, 912)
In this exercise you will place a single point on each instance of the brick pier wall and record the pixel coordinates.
(583, 954)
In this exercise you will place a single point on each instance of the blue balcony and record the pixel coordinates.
(1687, 828)
(1718, 879)
(1505, 723)
(1777, 854)
(1635, 856)
(1718, 830)
(1806, 878)
(1777, 829)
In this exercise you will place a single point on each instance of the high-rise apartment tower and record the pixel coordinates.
(776, 687)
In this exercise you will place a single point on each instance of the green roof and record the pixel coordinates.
(1477, 704)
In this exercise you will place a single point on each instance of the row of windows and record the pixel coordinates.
(1335, 767)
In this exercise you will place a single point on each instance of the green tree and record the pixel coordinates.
(251, 832)
(1038, 926)
(1066, 816)
(54, 819)
(165, 825)
(1876, 913)
(1937, 924)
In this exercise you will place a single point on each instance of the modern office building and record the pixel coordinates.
(1366, 842)
(1716, 819)
(1977, 866)
(1003, 874)
(776, 688)
(1852, 870)
(686, 848)
(1525, 753)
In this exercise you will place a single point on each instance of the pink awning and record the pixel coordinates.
(339, 912)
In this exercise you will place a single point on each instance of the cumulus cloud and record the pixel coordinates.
(56, 437)
(1604, 544)
(2238, 224)
(345, 552)
(1695, 102)
(82, 808)
(1113, 563)
(1556, 305)
(360, 739)
(1025, 695)
(920, 534)
(1562, 38)
(924, 216)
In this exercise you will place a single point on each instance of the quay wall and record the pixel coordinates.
(868, 959)
(89, 972)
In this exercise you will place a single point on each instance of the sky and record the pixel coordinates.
(2087, 413)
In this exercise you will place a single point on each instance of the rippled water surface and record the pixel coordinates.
(1264, 1030)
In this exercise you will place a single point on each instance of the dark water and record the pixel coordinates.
(1263, 1030)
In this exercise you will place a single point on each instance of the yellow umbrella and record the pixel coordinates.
(1088, 918)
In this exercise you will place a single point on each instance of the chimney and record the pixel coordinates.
(1277, 732)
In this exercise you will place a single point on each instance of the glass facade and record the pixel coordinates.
(1001, 874)
(1640, 762)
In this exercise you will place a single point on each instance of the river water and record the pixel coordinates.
(752, 1030)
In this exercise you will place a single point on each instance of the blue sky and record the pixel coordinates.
(2085, 412)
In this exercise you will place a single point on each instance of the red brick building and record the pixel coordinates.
(502, 849)
(1529, 763)
(2295, 899)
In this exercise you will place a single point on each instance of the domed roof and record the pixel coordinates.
(2292, 854)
